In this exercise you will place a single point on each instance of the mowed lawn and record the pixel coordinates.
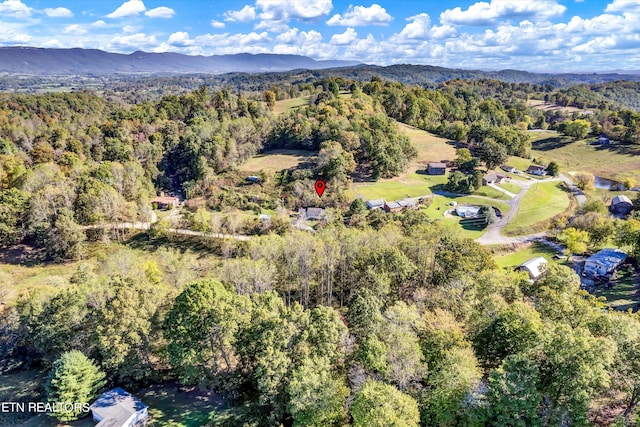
(276, 160)
(616, 162)
(441, 204)
(411, 185)
(623, 295)
(511, 260)
(169, 406)
(541, 202)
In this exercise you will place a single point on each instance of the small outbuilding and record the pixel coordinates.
(604, 262)
(621, 205)
(254, 179)
(535, 267)
(436, 168)
(603, 140)
(537, 170)
(508, 168)
(117, 408)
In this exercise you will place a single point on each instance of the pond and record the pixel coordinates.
(606, 184)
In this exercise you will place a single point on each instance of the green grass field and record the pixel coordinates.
(487, 191)
(276, 160)
(616, 162)
(541, 202)
(511, 260)
(512, 188)
(411, 185)
(169, 406)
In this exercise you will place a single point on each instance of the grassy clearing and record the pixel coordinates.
(276, 160)
(616, 162)
(623, 295)
(518, 163)
(541, 202)
(287, 104)
(412, 185)
(487, 191)
(14, 279)
(431, 148)
(511, 260)
(541, 105)
(512, 188)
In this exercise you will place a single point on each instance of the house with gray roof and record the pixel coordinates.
(117, 408)
(604, 262)
(621, 205)
(375, 204)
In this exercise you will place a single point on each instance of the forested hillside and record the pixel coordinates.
(366, 319)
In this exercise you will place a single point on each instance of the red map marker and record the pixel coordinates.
(320, 186)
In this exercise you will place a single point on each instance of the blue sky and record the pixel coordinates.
(534, 35)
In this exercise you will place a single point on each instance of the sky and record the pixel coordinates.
(531, 35)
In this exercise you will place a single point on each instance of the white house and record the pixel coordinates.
(535, 267)
(604, 262)
(467, 211)
(375, 204)
(117, 408)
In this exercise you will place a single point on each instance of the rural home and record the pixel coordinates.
(392, 207)
(508, 168)
(603, 140)
(467, 211)
(253, 179)
(375, 204)
(537, 170)
(117, 408)
(621, 205)
(313, 214)
(604, 262)
(535, 267)
(436, 168)
(493, 178)
(165, 202)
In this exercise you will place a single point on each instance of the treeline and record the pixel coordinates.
(407, 324)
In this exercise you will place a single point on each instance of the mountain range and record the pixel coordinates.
(94, 62)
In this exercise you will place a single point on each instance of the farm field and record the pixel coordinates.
(411, 185)
(541, 202)
(276, 160)
(616, 162)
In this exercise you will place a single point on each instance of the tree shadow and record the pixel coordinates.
(551, 143)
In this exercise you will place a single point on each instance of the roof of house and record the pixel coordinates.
(437, 165)
(537, 168)
(608, 258)
(164, 199)
(507, 167)
(377, 203)
(536, 266)
(620, 199)
(493, 177)
(115, 407)
(406, 203)
(466, 210)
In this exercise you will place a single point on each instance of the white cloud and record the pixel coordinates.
(138, 41)
(160, 12)
(58, 12)
(276, 14)
(180, 38)
(128, 8)
(14, 9)
(483, 13)
(75, 29)
(623, 6)
(99, 24)
(360, 16)
(348, 37)
(246, 14)
(217, 24)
